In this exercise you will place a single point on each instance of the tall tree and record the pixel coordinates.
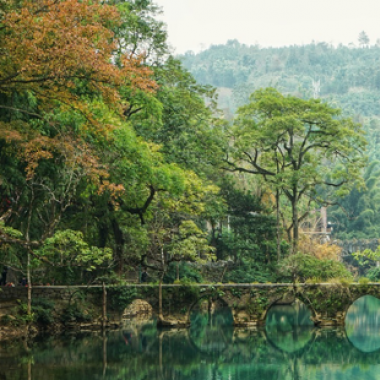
(363, 39)
(297, 146)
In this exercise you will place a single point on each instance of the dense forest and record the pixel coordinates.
(114, 158)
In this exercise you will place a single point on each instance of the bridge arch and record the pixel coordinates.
(293, 309)
(212, 299)
(357, 297)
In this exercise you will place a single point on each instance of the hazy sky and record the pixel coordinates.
(195, 24)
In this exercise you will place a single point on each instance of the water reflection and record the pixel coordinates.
(211, 328)
(289, 327)
(209, 350)
(363, 324)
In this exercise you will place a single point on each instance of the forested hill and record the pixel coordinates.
(348, 75)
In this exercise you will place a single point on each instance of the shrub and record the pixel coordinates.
(374, 274)
(120, 297)
(75, 313)
(300, 267)
(42, 310)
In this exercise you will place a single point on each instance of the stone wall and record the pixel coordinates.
(51, 293)
(249, 303)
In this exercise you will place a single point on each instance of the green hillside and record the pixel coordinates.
(350, 76)
(347, 77)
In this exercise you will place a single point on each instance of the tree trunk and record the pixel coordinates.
(278, 225)
(160, 315)
(29, 279)
(177, 271)
(119, 245)
(104, 314)
(295, 224)
(104, 353)
(27, 236)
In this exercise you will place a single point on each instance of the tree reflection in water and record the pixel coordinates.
(211, 329)
(210, 350)
(363, 324)
(289, 327)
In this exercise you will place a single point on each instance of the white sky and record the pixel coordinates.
(195, 24)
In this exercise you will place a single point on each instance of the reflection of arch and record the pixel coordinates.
(208, 296)
(358, 350)
(356, 298)
(304, 347)
(289, 328)
(211, 331)
(363, 330)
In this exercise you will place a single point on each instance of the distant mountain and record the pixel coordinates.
(349, 76)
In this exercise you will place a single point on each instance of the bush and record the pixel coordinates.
(75, 313)
(301, 267)
(120, 297)
(42, 310)
(373, 274)
(186, 273)
(244, 273)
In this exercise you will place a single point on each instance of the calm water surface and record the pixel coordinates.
(288, 348)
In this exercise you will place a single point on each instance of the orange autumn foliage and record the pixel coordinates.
(49, 48)
(49, 45)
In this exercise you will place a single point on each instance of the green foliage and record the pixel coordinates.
(301, 267)
(187, 273)
(299, 147)
(190, 244)
(42, 310)
(361, 207)
(68, 246)
(75, 312)
(367, 256)
(348, 77)
(250, 241)
(364, 280)
(80, 186)
(120, 297)
(12, 232)
(342, 71)
(373, 274)
(247, 272)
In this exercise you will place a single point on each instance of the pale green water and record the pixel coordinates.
(288, 348)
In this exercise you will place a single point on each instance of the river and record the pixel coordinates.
(289, 347)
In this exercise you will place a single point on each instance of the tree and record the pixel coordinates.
(363, 39)
(301, 267)
(357, 215)
(58, 60)
(249, 237)
(298, 146)
(174, 241)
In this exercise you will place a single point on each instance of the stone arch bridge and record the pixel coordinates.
(249, 303)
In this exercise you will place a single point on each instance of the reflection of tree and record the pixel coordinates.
(211, 332)
(289, 327)
(187, 355)
(363, 323)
